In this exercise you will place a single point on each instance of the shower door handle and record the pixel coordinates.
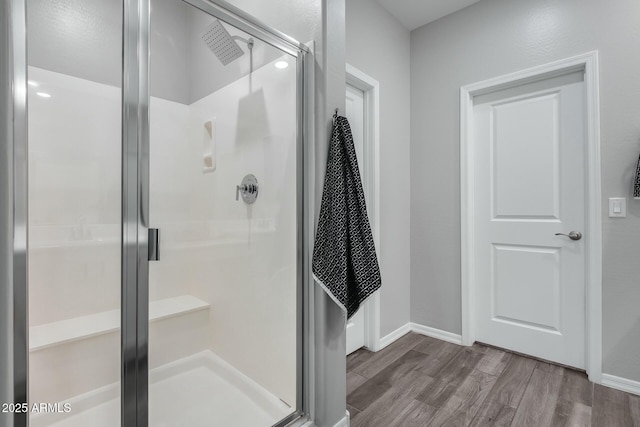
(154, 244)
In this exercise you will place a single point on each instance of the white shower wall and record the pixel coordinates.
(74, 197)
(239, 259)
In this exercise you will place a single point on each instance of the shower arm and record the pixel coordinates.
(250, 46)
(248, 42)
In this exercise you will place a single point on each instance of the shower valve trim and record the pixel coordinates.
(248, 189)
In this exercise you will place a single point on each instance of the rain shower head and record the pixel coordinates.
(224, 47)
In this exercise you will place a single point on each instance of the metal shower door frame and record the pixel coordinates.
(135, 215)
(135, 202)
(14, 351)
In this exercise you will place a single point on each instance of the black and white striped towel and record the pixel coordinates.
(636, 182)
(344, 255)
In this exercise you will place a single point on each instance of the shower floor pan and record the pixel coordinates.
(199, 390)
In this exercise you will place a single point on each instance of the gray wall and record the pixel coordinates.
(330, 338)
(206, 72)
(169, 51)
(77, 37)
(378, 45)
(83, 38)
(488, 39)
(321, 21)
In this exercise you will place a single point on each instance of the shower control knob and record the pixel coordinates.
(248, 189)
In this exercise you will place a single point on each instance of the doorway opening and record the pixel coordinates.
(362, 111)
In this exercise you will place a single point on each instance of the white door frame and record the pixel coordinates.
(371, 167)
(587, 62)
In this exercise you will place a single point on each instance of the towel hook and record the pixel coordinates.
(335, 116)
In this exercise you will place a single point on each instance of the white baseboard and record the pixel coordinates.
(344, 422)
(393, 336)
(422, 330)
(436, 333)
(619, 383)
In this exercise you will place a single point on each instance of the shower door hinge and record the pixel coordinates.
(154, 244)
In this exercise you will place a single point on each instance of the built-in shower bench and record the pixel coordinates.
(75, 356)
(64, 331)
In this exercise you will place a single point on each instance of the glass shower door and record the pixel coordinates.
(223, 331)
(74, 157)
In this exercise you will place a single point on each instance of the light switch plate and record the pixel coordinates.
(617, 207)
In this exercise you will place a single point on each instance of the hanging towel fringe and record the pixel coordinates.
(636, 182)
(344, 256)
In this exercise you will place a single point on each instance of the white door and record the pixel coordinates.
(530, 185)
(355, 115)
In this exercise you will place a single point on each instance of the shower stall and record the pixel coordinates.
(163, 191)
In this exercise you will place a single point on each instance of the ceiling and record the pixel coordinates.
(416, 13)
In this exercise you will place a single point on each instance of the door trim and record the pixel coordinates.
(371, 89)
(588, 63)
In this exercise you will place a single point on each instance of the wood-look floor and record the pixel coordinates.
(421, 381)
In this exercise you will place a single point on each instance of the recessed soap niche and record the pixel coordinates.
(209, 146)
